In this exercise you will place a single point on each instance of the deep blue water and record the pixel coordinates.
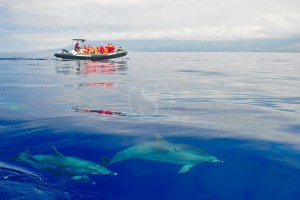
(243, 108)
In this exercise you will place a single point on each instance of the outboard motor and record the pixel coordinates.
(65, 51)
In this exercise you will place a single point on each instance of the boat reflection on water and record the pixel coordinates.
(103, 67)
(91, 67)
(87, 67)
(101, 112)
(104, 84)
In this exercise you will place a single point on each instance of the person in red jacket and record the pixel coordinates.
(112, 48)
(108, 46)
(77, 47)
(101, 49)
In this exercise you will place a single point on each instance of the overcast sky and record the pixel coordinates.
(46, 24)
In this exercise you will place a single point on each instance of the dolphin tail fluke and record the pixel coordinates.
(105, 161)
(186, 168)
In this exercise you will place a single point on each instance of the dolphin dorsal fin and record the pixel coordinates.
(26, 151)
(159, 138)
(56, 152)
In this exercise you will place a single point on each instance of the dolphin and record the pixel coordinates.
(163, 151)
(76, 168)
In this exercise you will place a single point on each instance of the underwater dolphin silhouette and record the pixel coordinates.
(76, 168)
(163, 151)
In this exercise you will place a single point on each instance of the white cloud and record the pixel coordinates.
(280, 25)
(37, 21)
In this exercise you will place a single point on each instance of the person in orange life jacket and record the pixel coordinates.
(96, 50)
(84, 50)
(89, 48)
(101, 49)
(106, 49)
(92, 50)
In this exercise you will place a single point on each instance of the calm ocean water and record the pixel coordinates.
(243, 108)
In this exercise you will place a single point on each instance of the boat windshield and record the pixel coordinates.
(79, 40)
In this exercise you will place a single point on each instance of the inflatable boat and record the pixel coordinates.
(72, 54)
(97, 56)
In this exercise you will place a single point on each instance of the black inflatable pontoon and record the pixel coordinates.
(67, 55)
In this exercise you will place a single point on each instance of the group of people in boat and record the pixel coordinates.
(88, 49)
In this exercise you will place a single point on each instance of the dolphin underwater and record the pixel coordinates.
(163, 151)
(76, 168)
